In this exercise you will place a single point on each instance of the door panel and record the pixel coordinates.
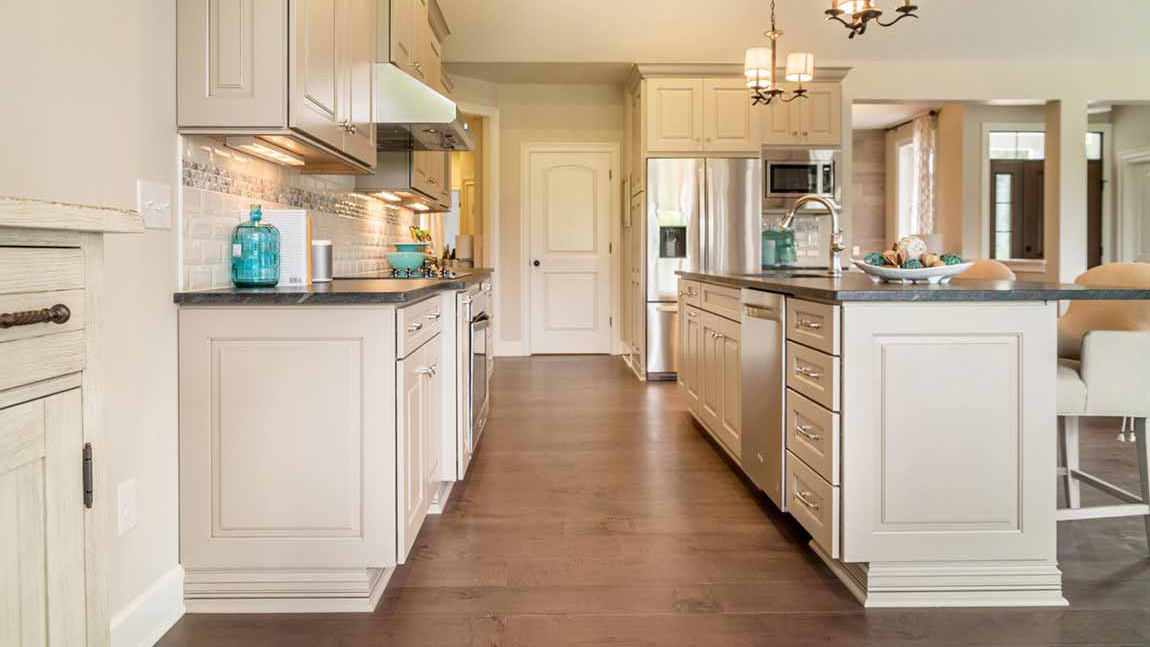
(414, 496)
(691, 368)
(821, 110)
(727, 117)
(711, 376)
(320, 79)
(674, 115)
(360, 63)
(42, 596)
(730, 419)
(570, 204)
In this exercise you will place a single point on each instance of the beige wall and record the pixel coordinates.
(867, 228)
(1131, 127)
(535, 114)
(88, 108)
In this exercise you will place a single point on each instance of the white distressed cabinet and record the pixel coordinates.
(687, 115)
(709, 366)
(419, 388)
(55, 508)
(411, 35)
(297, 72)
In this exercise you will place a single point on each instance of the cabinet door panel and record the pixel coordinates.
(727, 117)
(433, 404)
(638, 155)
(820, 115)
(674, 115)
(781, 121)
(403, 34)
(320, 79)
(414, 497)
(730, 424)
(692, 357)
(42, 522)
(711, 382)
(360, 64)
(231, 67)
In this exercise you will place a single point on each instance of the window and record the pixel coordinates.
(1003, 200)
(1020, 145)
(907, 189)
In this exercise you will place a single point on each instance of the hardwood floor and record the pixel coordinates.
(597, 513)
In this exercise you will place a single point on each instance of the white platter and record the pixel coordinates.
(888, 274)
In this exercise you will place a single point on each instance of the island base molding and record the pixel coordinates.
(950, 584)
(285, 591)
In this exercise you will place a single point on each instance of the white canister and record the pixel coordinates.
(321, 261)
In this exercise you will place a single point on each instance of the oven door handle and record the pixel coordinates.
(482, 322)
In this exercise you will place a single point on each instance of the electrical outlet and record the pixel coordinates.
(154, 202)
(856, 251)
(126, 504)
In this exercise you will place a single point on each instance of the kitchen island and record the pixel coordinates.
(319, 426)
(911, 429)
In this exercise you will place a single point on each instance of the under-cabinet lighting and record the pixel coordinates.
(418, 206)
(263, 150)
(390, 197)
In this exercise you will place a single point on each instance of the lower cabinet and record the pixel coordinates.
(419, 387)
(711, 364)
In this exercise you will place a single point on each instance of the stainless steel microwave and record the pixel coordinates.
(791, 178)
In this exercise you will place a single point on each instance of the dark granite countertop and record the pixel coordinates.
(856, 286)
(364, 290)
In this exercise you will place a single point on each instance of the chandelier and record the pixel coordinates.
(760, 66)
(858, 13)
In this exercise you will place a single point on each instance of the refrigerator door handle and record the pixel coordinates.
(704, 218)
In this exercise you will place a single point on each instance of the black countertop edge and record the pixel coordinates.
(365, 290)
(856, 286)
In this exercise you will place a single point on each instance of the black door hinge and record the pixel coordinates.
(87, 475)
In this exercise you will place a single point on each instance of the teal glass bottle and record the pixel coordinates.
(255, 252)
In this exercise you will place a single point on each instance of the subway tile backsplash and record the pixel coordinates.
(219, 186)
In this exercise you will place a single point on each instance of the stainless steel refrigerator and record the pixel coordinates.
(702, 215)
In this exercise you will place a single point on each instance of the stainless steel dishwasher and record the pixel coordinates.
(763, 343)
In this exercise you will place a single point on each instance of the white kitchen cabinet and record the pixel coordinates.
(692, 348)
(638, 153)
(423, 176)
(730, 123)
(411, 38)
(295, 69)
(814, 120)
(719, 381)
(419, 430)
(674, 115)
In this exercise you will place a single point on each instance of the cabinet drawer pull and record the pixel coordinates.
(433, 316)
(415, 327)
(692, 315)
(806, 372)
(57, 314)
(801, 497)
(810, 325)
(426, 370)
(805, 432)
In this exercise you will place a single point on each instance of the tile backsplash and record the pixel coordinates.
(219, 185)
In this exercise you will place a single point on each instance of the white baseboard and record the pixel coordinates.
(144, 620)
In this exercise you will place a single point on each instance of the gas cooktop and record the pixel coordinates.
(423, 275)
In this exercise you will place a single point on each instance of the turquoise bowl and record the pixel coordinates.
(411, 247)
(405, 260)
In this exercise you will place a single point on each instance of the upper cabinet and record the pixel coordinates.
(814, 120)
(411, 37)
(413, 177)
(297, 73)
(701, 115)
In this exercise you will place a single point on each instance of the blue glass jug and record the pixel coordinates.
(255, 253)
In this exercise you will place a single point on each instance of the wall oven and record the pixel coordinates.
(474, 398)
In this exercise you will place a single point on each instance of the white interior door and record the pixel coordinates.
(1137, 210)
(570, 194)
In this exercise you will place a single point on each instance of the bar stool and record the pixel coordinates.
(1104, 370)
(988, 269)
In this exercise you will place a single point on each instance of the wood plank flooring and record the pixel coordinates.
(597, 513)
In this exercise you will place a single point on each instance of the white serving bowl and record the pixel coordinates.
(887, 274)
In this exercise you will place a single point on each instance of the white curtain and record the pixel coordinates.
(924, 138)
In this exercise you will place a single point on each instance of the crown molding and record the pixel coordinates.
(641, 71)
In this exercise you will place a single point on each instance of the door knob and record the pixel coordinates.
(535, 263)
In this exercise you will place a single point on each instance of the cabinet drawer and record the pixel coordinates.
(814, 503)
(812, 434)
(40, 358)
(40, 269)
(416, 324)
(720, 300)
(814, 374)
(814, 324)
(689, 290)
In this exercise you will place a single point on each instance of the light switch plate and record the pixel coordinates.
(154, 202)
(126, 506)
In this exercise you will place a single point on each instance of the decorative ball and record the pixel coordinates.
(929, 259)
(874, 258)
(911, 247)
(912, 265)
(951, 259)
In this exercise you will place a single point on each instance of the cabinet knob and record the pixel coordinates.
(415, 327)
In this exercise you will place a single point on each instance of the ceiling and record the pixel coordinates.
(870, 116)
(545, 73)
(718, 31)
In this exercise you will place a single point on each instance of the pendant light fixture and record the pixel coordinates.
(856, 14)
(760, 66)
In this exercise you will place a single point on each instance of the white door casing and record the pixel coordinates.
(570, 193)
(1134, 206)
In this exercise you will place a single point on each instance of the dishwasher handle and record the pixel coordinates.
(760, 312)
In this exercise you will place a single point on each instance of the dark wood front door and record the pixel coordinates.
(1016, 207)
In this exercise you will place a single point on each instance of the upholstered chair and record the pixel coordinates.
(988, 269)
(1104, 370)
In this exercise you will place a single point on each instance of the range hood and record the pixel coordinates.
(411, 116)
